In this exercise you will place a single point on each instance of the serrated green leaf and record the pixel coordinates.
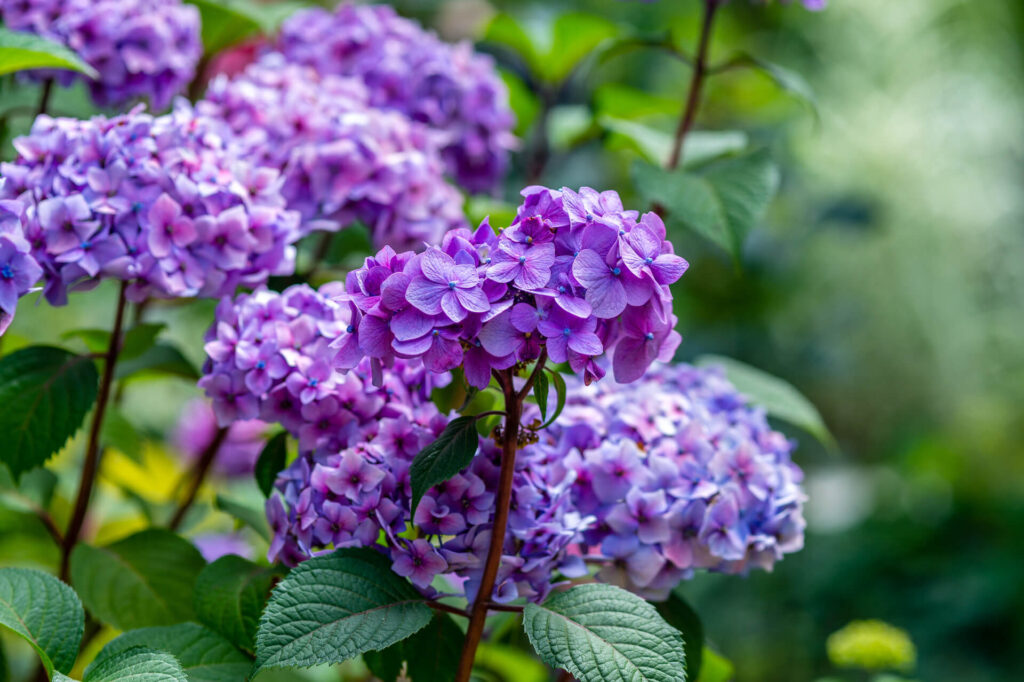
(250, 516)
(678, 613)
(721, 201)
(203, 654)
(448, 455)
(779, 398)
(44, 612)
(230, 595)
(143, 580)
(602, 633)
(560, 396)
(270, 463)
(139, 339)
(430, 654)
(540, 392)
(139, 664)
(161, 359)
(336, 607)
(45, 393)
(22, 51)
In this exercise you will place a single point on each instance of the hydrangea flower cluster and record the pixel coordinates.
(237, 454)
(19, 271)
(575, 274)
(678, 473)
(268, 357)
(448, 87)
(141, 48)
(159, 202)
(341, 159)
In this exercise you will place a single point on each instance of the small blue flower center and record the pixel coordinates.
(451, 285)
(86, 245)
(648, 260)
(522, 260)
(649, 336)
(561, 289)
(616, 271)
(622, 233)
(314, 382)
(261, 365)
(6, 272)
(575, 253)
(436, 333)
(590, 216)
(566, 332)
(350, 329)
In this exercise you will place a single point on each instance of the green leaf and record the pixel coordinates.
(139, 339)
(678, 613)
(602, 633)
(96, 340)
(448, 455)
(525, 105)
(230, 595)
(250, 516)
(716, 668)
(509, 664)
(226, 23)
(430, 654)
(139, 664)
(779, 398)
(655, 145)
(574, 36)
(569, 125)
(44, 612)
(560, 394)
(159, 359)
(540, 392)
(204, 655)
(143, 580)
(45, 393)
(120, 434)
(336, 607)
(786, 79)
(21, 51)
(505, 30)
(270, 463)
(721, 201)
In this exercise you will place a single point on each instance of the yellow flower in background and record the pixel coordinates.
(871, 645)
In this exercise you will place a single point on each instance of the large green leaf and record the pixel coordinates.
(779, 398)
(678, 613)
(22, 51)
(448, 455)
(430, 654)
(45, 613)
(602, 633)
(336, 607)
(143, 580)
(558, 48)
(230, 595)
(204, 655)
(45, 393)
(228, 22)
(271, 462)
(139, 664)
(722, 201)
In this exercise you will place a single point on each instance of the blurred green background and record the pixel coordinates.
(886, 283)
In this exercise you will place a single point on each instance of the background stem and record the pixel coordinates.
(202, 467)
(93, 450)
(700, 70)
(44, 97)
(478, 612)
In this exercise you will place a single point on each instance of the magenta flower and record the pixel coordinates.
(642, 251)
(351, 476)
(419, 562)
(566, 332)
(168, 228)
(442, 286)
(608, 287)
(648, 334)
(529, 267)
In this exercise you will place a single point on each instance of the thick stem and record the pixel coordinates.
(700, 70)
(93, 450)
(478, 611)
(44, 97)
(199, 472)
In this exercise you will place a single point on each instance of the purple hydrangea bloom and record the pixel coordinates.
(19, 271)
(140, 48)
(501, 299)
(450, 88)
(237, 454)
(341, 160)
(162, 203)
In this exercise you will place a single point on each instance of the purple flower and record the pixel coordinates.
(608, 287)
(419, 562)
(643, 252)
(529, 267)
(168, 228)
(648, 334)
(565, 332)
(442, 286)
(351, 477)
(18, 272)
(721, 530)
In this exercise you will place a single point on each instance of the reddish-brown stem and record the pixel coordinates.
(438, 606)
(509, 608)
(198, 475)
(700, 70)
(479, 608)
(93, 450)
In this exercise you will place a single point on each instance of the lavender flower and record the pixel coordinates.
(237, 454)
(160, 202)
(19, 271)
(141, 48)
(341, 160)
(451, 89)
(500, 298)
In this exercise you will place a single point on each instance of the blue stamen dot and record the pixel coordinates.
(616, 271)
(436, 333)
(350, 329)
(451, 285)
(86, 244)
(566, 332)
(314, 382)
(6, 272)
(561, 289)
(648, 260)
(261, 365)
(522, 260)
(649, 336)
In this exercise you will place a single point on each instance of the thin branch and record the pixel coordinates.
(489, 413)
(438, 606)
(700, 68)
(44, 97)
(533, 375)
(94, 451)
(198, 475)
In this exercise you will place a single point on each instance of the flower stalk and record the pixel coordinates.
(94, 449)
(700, 72)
